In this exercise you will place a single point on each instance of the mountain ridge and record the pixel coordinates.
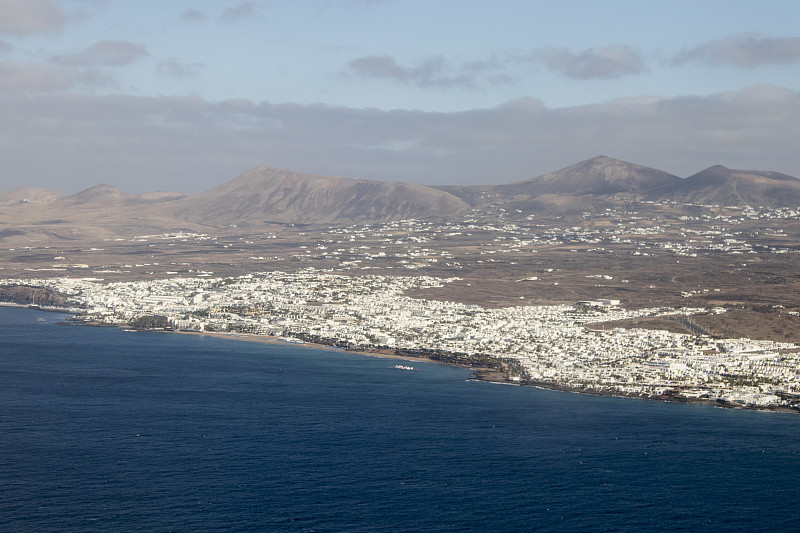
(277, 195)
(266, 195)
(724, 186)
(598, 175)
(24, 195)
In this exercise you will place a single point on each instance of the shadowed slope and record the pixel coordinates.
(599, 175)
(576, 188)
(719, 185)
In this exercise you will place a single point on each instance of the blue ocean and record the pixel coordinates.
(107, 430)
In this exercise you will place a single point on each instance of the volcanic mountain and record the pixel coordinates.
(719, 185)
(104, 196)
(579, 187)
(599, 175)
(29, 215)
(25, 195)
(266, 194)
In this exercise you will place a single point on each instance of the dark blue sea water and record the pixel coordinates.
(104, 430)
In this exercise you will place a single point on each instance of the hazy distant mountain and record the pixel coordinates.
(578, 187)
(599, 175)
(98, 195)
(29, 215)
(719, 185)
(593, 184)
(266, 194)
(22, 195)
(105, 196)
(155, 197)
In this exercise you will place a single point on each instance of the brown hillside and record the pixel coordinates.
(266, 194)
(599, 175)
(719, 185)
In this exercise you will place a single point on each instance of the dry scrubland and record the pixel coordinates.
(601, 228)
(653, 256)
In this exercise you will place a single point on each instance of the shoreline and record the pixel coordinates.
(492, 375)
(666, 398)
(497, 372)
(44, 309)
(381, 354)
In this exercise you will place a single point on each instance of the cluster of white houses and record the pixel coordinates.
(550, 344)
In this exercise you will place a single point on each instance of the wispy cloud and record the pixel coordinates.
(110, 53)
(86, 68)
(238, 12)
(175, 68)
(192, 15)
(748, 50)
(43, 78)
(24, 17)
(5, 47)
(430, 73)
(610, 62)
(435, 72)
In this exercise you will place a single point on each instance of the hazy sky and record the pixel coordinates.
(185, 95)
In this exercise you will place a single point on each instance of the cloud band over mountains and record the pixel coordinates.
(85, 90)
(168, 142)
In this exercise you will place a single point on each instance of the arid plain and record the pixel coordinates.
(600, 229)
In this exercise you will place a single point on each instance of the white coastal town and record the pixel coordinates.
(557, 346)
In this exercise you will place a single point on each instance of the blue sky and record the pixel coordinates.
(184, 95)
